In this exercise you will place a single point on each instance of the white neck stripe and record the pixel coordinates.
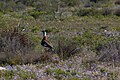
(44, 33)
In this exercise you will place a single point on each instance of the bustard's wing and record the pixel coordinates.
(45, 43)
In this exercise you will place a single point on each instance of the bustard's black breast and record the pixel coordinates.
(45, 44)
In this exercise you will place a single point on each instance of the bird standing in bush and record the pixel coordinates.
(45, 42)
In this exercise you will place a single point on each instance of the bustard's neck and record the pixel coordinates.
(44, 34)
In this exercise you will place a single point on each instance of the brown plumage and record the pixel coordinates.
(45, 42)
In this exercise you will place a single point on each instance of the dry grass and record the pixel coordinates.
(110, 52)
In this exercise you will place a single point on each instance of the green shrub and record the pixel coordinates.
(74, 78)
(113, 76)
(106, 11)
(103, 70)
(37, 14)
(109, 51)
(8, 74)
(11, 6)
(14, 44)
(117, 12)
(71, 2)
(117, 2)
(89, 38)
(65, 47)
(88, 12)
(59, 74)
(96, 1)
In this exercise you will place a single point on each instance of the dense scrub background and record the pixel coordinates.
(88, 28)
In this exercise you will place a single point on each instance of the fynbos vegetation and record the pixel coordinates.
(85, 38)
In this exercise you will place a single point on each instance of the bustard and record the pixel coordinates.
(45, 42)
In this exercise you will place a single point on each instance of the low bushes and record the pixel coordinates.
(107, 11)
(98, 12)
(65, 47)
(117, 2)
(106, 48)
(11, 6)
(117, 12)
(71, 2)
(17, 47)
(88, 12)
(14, 44)
(109, 51)
(37, 14)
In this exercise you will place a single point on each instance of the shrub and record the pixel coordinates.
(14, 44)
(117, 2)
(19, 7)
(96, 1)
(87, 5)
(65, 48)
(113, 75)
(109, 51)
(47, 6)
(71, 2)
(11, 6)
(88, 12)
(91, 40)
(44, 57)
(60, 74)
(117, 12)
(37, 14)
(107, 11)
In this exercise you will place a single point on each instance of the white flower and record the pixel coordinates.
(2, 68)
